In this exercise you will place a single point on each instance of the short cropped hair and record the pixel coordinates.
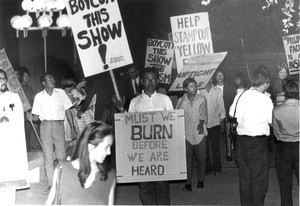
(187, 81)
(260, 76)
(292, 89)
(153, 70)
(42, 78)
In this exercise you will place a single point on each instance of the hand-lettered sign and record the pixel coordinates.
(160, 55)
(99, 35)
(191, 36)
(201, 68)
(150, 146)
(292, 51)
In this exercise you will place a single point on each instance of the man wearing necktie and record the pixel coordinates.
(132, 84)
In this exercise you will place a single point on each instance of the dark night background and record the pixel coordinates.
(230, 20)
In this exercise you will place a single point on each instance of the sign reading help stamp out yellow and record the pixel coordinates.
(150, 146)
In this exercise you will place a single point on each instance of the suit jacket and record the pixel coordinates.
(129, 91)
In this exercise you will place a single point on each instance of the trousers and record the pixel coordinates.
(198, 151)
(253, 165)
(213, 149)
(155, 193)
(52, 134)
(287, 161)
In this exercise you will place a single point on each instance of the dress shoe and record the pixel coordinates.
(187, 188)
(229, 158)
(200, 184)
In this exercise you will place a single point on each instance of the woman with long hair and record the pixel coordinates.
(88, 178)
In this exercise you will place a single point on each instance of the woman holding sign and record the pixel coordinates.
(86, 179)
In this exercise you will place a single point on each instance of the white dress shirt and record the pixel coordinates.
(253, 113)
(144, 103)
(51, 107)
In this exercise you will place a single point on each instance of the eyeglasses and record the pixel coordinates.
(2, 78)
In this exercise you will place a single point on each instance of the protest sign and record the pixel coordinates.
(292, 51)
(160, 55)
(13, 82)
(99, 35)
(191, 36)
(13, 155)
(201, 67)
(150, 146)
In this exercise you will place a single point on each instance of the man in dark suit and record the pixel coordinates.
(132, 84)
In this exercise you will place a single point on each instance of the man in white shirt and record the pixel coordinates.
(152, 193)
(254, 114)
(216, 116)
(13, 155)
(49, 106)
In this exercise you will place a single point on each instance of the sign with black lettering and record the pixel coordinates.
(160, 55)
(150, 146)
(13, 82)
(191, 36)
(201, 67)
(292, 51)
(99, 35)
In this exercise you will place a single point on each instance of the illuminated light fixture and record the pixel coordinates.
(44, 21)
(27, 5)
(44, 13)
(63, 21)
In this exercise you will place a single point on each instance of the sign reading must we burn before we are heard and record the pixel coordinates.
(150, 146)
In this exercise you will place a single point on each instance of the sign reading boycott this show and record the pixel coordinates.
(160, 54)
(292, 51)
(150, 146)
(201, 67)
(99, 35)
(191, 36)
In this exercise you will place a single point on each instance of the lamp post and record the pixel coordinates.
(44, 11)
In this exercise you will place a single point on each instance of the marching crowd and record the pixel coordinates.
(76, 122)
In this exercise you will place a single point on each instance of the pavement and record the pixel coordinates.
(222, 189)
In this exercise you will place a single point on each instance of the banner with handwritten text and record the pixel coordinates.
(160, 55)
(150, 146)
(99, 35)
(191, 36)
(292, 51)
(201, 67)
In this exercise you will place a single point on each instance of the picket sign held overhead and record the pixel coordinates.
(292, 51)
(201, 68)
(99, 35)
(150, 146)
(191, 36)
(160, 54)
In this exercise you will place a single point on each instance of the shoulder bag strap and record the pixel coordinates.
(237, 102)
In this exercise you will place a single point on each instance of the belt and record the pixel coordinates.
(258, 136)
(53, 120)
